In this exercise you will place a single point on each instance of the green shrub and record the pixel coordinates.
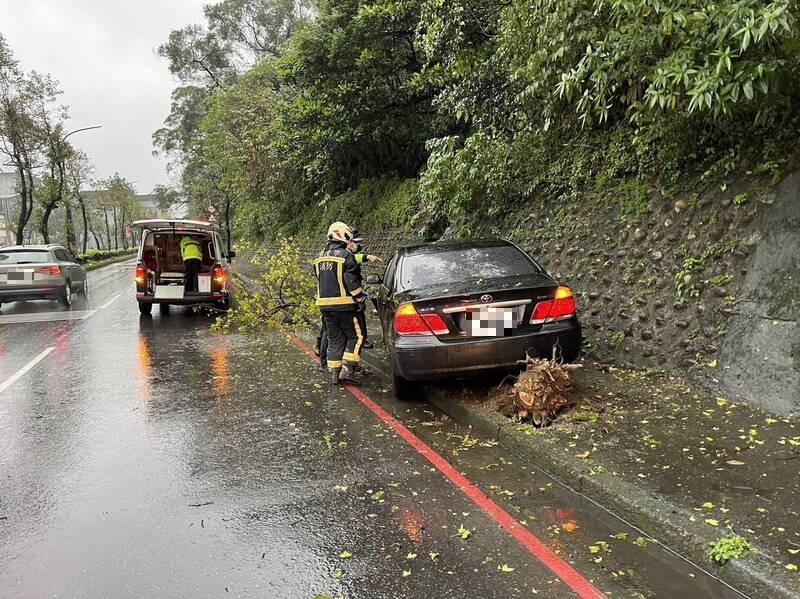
(282, 297)
(728, 548)
(95, 255)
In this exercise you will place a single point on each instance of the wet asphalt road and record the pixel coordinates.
(148, 457)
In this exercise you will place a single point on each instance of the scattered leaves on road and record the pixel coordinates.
(505, 568)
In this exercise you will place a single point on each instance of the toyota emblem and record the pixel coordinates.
(485, 299)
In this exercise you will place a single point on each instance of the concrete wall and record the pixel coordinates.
(762, 348)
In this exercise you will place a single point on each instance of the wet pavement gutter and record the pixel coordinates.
(667, 522)
(664, 521)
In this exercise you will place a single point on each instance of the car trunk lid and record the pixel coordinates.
(478, 308)
(27, 268)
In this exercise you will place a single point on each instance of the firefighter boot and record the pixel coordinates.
(334, 373)
(349, 374)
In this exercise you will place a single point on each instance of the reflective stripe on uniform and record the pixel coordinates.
(355, 357)
(335, 301)
(356, 292)
(334, 363)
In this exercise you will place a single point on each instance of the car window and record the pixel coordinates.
(422, 269)
(62, 256)
(24, 257)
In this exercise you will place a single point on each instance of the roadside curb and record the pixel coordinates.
(108, 262)
(660, 519)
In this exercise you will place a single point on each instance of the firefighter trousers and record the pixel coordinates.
(344, 337)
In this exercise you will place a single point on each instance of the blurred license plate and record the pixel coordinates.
(20, 277)
(491, 322)
(169, 291)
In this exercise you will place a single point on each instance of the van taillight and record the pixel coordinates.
(560, 307)
(219, 275)
(407, 321)
(139, 276)
(50, 270)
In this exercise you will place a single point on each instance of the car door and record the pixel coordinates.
(67, 267)
(385, 295)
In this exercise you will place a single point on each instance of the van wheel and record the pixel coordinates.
(66, 296)
(224, 304)
(163, 309)
(145, 307)
(403, 389)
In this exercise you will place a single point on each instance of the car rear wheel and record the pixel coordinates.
(163, 309)
(403, 389)
(66, 296)
(145, 307)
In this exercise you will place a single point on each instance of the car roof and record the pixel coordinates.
(175, 224)
(30, 247)
(451, 244)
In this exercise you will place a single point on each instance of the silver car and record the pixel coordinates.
(41, 272)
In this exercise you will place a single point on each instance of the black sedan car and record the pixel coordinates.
(458, 308)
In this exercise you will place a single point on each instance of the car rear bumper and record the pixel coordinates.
(17, 294)
(427, 358)
(189, 300)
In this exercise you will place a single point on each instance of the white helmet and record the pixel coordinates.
(339, 231)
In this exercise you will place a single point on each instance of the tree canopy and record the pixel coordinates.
(285, 107)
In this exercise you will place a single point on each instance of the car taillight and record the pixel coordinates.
(50, 270)
(560, 307)
(219, 275)
(407, 321)
(140, 272)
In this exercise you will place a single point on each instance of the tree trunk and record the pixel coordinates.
(23, 209)
(116, 228)
(228, 223)
(85, 224)
(46, 217)
(108, 230)
(123, 228)
(96, 241)
(69, 227)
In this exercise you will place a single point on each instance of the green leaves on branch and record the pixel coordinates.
(283, 295)
(690, 56)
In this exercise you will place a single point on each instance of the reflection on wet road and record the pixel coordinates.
(149, 457)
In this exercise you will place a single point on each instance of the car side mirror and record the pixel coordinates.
(79, 260)
(374, 279)
(231, 255)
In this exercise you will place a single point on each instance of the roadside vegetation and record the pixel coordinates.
(280, 296)
(286, 112)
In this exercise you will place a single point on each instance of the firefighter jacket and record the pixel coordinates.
(190, 249)
(338, 278)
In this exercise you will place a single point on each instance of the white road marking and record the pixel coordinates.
(21, 372)
(108, 303)
(46, 316)
(29, 317)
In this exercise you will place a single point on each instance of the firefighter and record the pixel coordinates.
(355, 247)
(192, 256)
(339, 294)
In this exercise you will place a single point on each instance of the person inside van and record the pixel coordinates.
(192, 255)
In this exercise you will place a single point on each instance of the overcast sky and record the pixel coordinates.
(103, 53)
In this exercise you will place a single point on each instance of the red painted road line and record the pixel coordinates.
(571, 577)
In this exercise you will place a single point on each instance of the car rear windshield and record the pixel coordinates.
(462, 264)
(24, 257)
